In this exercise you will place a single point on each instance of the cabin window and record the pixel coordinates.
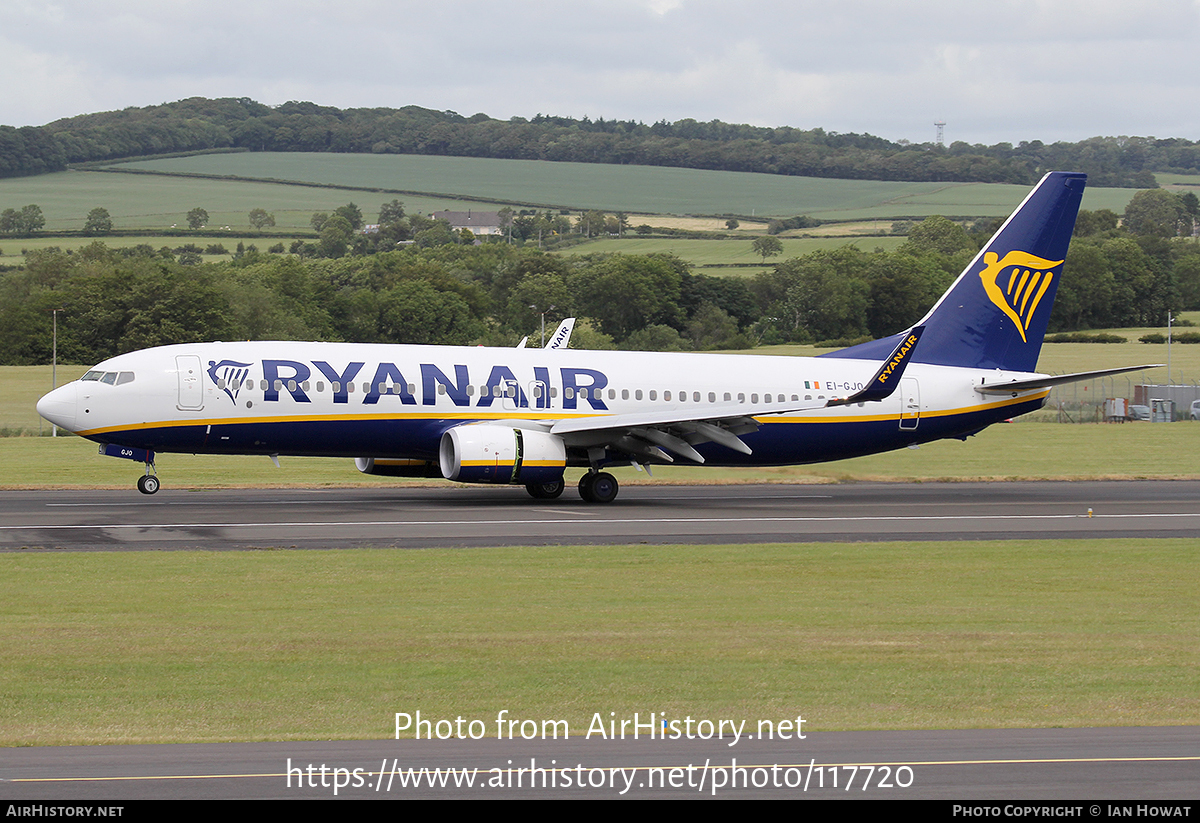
(568, 392)
(304, 385)
(624, 394)
(320, 386)
(291, 385)
(441, 388)
(754, 398)
(653, 394)
(612, 394)
(728, 397)
(553, 391)
(583, 394)
(667, 396)
(637, 395)
(712, 397)
(412, 388)
(349, 388)
(470, 391)
(741, 397)
(278, 385)
(696, 396)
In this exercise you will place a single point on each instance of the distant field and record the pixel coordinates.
(640, 189)
(433, 183)
(1182, 182)
(151, 201)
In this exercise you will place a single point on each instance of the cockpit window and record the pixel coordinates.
(112, 378)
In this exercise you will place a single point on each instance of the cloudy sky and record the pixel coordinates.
(1006, 70)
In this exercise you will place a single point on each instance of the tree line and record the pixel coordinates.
(198, 124)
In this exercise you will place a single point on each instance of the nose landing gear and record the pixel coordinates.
(148, 482)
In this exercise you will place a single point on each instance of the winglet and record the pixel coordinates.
(887, 378)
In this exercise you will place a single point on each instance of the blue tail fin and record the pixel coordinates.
(994, 316)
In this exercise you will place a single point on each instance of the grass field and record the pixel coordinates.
(138, 647)
(1003, 452)
(638, 189)
(151, 201)
(434, 183)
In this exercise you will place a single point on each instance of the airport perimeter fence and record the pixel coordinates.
(1087, 401)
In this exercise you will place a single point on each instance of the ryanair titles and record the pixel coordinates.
(900, 355)
(373, 384)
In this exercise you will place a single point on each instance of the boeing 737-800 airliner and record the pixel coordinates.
(522, 416)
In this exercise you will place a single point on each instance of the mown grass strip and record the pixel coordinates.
(196, 646)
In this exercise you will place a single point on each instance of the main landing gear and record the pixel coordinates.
(598, 487)
(594, 487)
(546, 491)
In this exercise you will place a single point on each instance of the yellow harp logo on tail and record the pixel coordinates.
(1017, 283)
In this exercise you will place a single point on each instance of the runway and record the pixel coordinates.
(1011, 766)
(470, 516)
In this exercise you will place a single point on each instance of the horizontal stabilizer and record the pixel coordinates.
(1046, 381)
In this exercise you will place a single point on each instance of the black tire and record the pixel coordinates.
(147, 484)
(604, 488)
(546, 491)
(585, 488)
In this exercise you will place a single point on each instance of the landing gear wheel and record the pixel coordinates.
(546, 491)
(147, 484)
(604, 488)
(585, 488)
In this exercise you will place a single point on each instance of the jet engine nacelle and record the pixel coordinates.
(389, 467)
(501, 454)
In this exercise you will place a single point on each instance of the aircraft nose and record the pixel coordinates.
(59, 406)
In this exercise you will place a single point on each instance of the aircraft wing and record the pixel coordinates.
(1047, 380)
(646, 434)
